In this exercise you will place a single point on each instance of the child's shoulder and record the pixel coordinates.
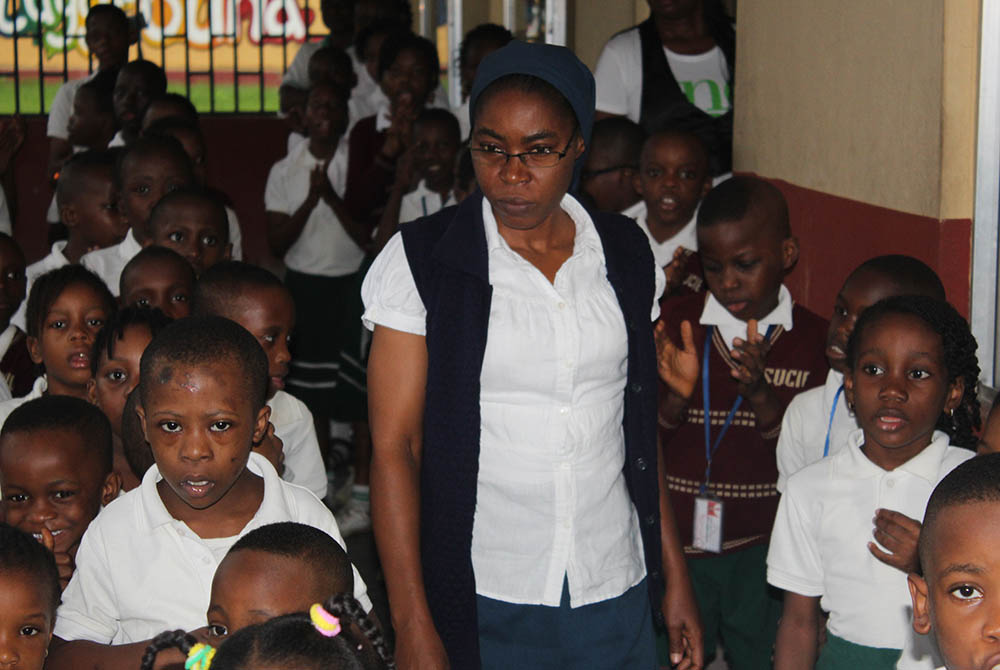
(286, 408)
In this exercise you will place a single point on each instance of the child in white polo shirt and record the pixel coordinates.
(817, 422)
(911, 371)
(146, 562)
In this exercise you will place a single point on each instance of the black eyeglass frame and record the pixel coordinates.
(524, 154)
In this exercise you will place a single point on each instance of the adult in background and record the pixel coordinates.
(512, 391)
(674, 71)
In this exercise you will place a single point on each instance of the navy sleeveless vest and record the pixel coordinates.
(447, 255)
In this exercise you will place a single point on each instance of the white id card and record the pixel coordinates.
(708, 524)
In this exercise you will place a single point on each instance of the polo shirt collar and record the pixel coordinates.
(272, 508)
(926, 464)
(714, 314)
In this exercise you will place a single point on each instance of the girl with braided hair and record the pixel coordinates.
(335, 635)
(911, 384)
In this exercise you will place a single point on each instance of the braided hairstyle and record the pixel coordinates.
(292, 641)
(957, 344)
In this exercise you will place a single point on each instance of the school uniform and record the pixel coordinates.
(235, 234)
(293, 424)
(139, 571)
(692, 276)
(38, 389)
(17, 370)
(109, 262)
(819, 548)
(816, 424)
(423, 202)
(53, 261)
(327, 368)
(730, 586)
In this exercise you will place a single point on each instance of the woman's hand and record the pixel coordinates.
(680, 611)
(678, 367)
(418, 647)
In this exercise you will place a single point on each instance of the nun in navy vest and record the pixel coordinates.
(512, 388)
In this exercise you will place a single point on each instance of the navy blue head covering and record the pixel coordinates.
(557, 65)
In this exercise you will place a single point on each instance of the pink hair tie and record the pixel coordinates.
(324, 622)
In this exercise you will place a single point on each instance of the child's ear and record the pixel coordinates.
(789, 252)
(707, 186)
(92, 391)
(34, 349)
(111, 487)
(141, 413)
(67, 214)
(956, 389)
(849, 388)
(921, 603)
(260, 424)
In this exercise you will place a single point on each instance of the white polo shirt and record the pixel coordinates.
(551, 498)
(38, 389)
(139, 571)
(323, 247)
(663, 252)
(293, 423)
(822, 529)
(109, 262)
(422, 201)
(804, 427)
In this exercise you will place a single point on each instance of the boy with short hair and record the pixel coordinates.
(953, 594)
(169, 106)
(746, 349)
(817, 422)
(192, 221)
(56, 472)
(146, 563)
(258, 301)
(612, 162)
(139, 82)
(672, 179)
(92, 123)
(276, 569)
(158, 277)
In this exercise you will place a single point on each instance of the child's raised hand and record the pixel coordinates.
(674, 270)
(271, 447)
(750, 355)
(319, 181)
(678, 367)
(899, 534)
(64, 562)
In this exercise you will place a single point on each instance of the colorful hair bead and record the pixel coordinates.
(200, 657)
(327, 624)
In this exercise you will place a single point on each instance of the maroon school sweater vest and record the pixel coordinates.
(744, 471)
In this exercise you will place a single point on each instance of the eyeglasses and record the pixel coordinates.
(496, 157)
(587, 175)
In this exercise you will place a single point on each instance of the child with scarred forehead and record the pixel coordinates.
(146, 562)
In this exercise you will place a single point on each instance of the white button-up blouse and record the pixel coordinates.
(552, 502)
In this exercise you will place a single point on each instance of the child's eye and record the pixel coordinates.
(180, 297)
(17, 498)
(117, 376)
(966, 592)
(142, 302)
(221, 426)
(29, 631)
(209, 240)
(218, 630)
(653, 173)
(141, 189)
(746, 265)
(919, 374)
(57, 324)
(687, 174)
(839, 311)
(170, 426)
(871, 369)
(270, 339)
(95, 323)
(711, 268)
(63, 495)
(176, 236)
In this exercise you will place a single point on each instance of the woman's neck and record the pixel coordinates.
(685, 34)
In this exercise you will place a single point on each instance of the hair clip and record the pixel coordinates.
(326, 624)
(200, 657)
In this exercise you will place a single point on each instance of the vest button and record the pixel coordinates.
(636, 387)
(650, 519)
(640, 464)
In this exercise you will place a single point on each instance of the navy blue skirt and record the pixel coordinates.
(612, 634)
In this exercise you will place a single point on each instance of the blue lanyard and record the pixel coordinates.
(423, 203)
(829, 426)
(711, 448)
